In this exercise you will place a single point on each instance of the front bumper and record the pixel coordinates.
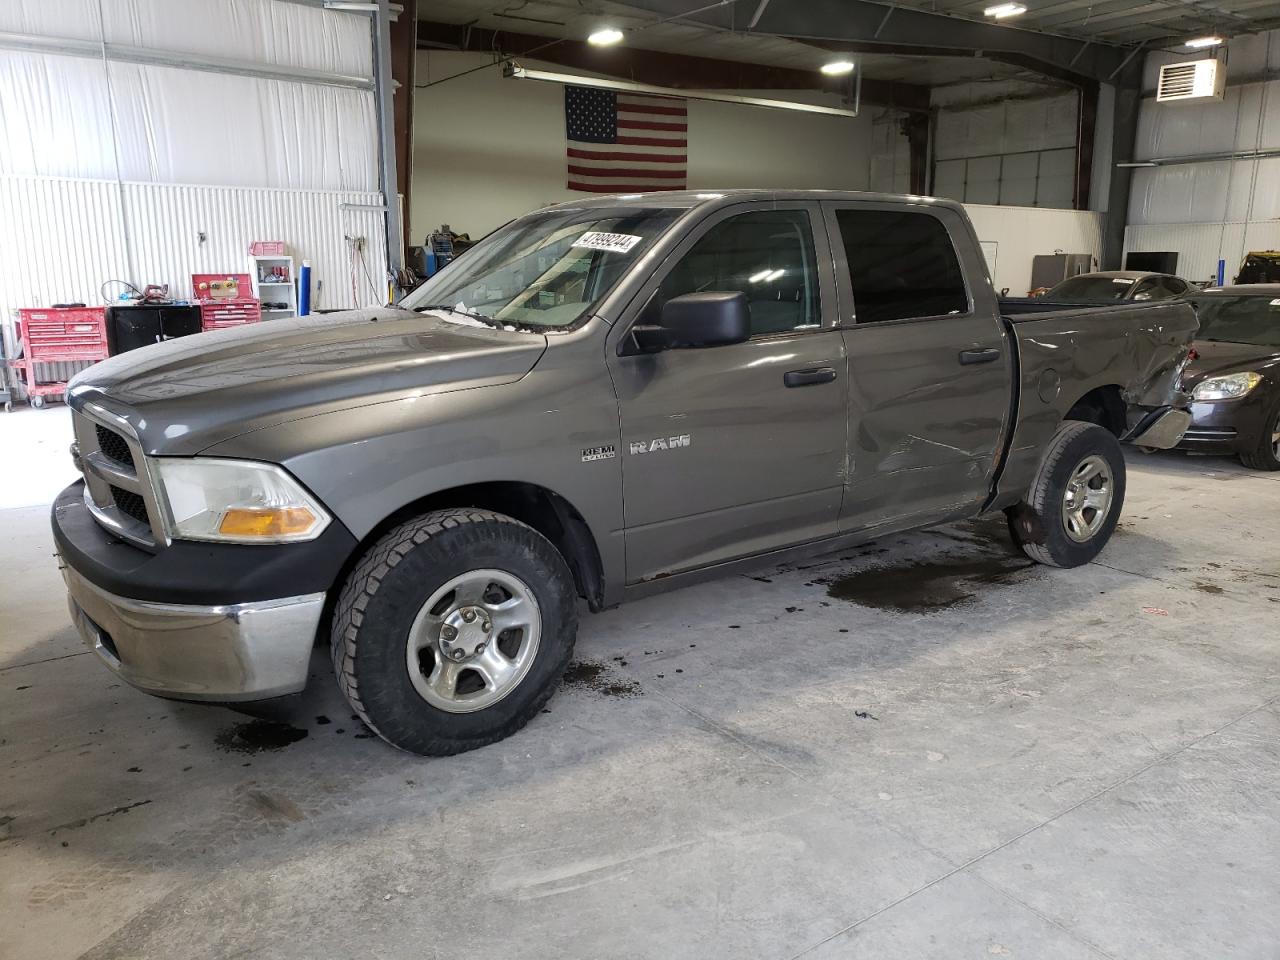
(1226, 426)
(245, 651)
(197, 621)
(1161, 429)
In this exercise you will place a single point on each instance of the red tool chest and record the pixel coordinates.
(225, 300)
(57, 335)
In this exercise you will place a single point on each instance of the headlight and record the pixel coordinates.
(240, 501)
(1230, 387)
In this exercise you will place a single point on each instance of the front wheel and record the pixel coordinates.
(1266, 455)
(1075, 499)
(453, 630)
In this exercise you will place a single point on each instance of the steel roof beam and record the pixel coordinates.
(662, 69)
(857, 21)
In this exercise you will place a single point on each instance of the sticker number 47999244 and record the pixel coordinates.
(611, 242)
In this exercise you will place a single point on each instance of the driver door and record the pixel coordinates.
(736, 449)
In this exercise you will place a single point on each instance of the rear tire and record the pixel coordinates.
(454, 630)
(1266, 455)
(1075, 499)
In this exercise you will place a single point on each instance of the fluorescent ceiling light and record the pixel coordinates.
(515, 71)
(605, 37)
(837, 68)
(353, 7)
(1204, 42)
(1000, 11)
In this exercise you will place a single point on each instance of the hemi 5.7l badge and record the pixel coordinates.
(661, 443)
(606, 452)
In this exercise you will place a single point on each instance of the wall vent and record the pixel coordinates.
(1196, 80)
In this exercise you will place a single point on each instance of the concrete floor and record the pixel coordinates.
(965, 757)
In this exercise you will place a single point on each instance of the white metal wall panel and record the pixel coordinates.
(890, 158)
(60, 239)
(69, 238)
(165, 223)
(261, 31)
(948, 179)
(1200, 245)
(180, 126)
(1014, 126)
(1056, 183)
(1012, 236)
(1019, 152)
(264, 31)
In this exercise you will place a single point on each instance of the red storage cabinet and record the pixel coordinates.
(224, 300)
(57, 335)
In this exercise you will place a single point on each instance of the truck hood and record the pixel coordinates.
(1215, 358)
(187, 394)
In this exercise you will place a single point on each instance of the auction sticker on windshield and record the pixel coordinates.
(613, 242)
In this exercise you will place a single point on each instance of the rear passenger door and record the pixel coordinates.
(930, 376)
(736, 449)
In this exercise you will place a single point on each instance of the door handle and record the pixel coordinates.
(809, 376)
(983, 355)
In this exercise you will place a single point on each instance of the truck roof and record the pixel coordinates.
(687, 199)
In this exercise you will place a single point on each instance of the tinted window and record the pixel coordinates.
(1150, 290)
(900, 265)
(1091, 286)
(768, 255)
(1253, 320)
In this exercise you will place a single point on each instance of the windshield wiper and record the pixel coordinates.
(446, 308)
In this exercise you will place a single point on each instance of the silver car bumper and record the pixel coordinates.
(1161, 430)
(248, 651)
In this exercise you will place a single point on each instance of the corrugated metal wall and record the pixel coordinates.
(1207, 211)
(70, 239)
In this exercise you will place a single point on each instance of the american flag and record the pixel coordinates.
(625, 142)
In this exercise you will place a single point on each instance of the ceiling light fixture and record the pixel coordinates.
(605, 37)
(1003, 10)
(515, 71)
(837, 68)
(1204, 42)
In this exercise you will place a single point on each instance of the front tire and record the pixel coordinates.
(453, 630)
(1075, 499)
(1266, 455)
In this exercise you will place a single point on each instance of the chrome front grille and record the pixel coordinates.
(114, 447)
(131, 505)
(118, 491)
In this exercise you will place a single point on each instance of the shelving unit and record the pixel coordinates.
(274, 291)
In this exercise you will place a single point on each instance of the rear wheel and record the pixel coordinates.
(453, 630)
(1266, 455)
(1075, 500)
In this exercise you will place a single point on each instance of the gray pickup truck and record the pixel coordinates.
(601, 400)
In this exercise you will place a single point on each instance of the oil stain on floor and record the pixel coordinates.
(923, 586)
(590, 675)
(255, 736)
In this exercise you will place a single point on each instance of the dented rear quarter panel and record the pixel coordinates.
(1065, 355)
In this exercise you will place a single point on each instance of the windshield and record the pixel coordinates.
(548, 269)
(1239, 319)
(1087, 287)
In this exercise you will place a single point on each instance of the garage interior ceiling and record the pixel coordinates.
(570, 20)
(746, 30)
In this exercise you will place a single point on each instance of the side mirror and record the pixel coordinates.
(706, 319)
